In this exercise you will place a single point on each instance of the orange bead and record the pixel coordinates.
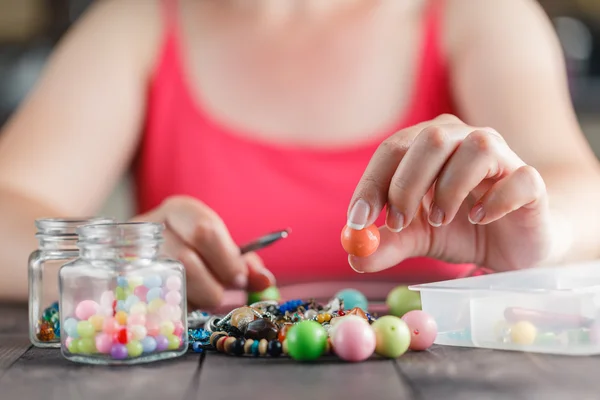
(283, 332)
(360, 243)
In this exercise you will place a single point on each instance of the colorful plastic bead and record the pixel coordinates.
(118, 351)
(86, 309)
(134, 348)
(402, 300)
(86, 345)
(121, 317)
(152, 281)
(283, 331)
(135, 281)
(148, 344)
(85, 329)
(523, 332)
(270, 293)
(70, 327)
(104, 343)
(162, 343)
(392, 336)
(353, 339)
(173, 283)
(153, 294)
(360, 243)
(306, 341)
(353, 298)
(254, 347)
(423, 329)
(122, 336)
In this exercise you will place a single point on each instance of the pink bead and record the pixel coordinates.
(104, 343)
(110, 325)
(174, 283)
(353, 339)
(106, 299)
(86, 309)
(153, 325)
(68, 342)
(137, 319)
(141, 292)
(423, 329)
(173, 298)
(178, 328)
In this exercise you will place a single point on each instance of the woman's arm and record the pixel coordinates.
(74, 136)
(508, 73)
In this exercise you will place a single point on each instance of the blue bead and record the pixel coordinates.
(70, 327)
(131, 300)
(121, 306)
(148, 344)
(56, 328)
(54, 305)
(122, 281)
(197, 347)
(152, 281)
(353, 298)
(152, 294)
(254, 348)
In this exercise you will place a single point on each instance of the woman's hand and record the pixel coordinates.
(452, 192)
(196, 236)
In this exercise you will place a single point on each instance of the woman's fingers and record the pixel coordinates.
(523, 188)
(371, 193)
(259, 277)
(204, 231)
(418, 170)
(203, 289)
(482, 155)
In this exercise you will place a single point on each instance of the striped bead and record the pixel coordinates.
(221, 343)
(228, 344)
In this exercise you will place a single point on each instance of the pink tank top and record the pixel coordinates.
(258, 187)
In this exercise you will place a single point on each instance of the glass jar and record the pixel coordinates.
(57, 245)
(120, 302)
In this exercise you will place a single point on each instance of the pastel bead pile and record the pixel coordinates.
(140, 317)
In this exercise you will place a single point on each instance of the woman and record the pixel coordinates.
(240, 117)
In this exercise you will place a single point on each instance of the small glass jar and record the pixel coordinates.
(120, 302)
(57, 246)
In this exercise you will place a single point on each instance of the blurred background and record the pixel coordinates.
(30, 28)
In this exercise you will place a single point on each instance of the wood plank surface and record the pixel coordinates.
(441, 373)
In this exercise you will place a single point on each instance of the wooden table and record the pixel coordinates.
(28, 373)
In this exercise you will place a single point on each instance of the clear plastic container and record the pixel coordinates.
(120, 302)
(57, 245)
(545, 310)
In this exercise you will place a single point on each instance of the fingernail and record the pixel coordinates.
(477, 214)
(394, 219)
(350, 258)
(357, 219)
(241, 281)
(436, 216)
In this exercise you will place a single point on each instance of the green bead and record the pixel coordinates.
(402, 300)
(353, 298)
(120, 293)
(578, 336)
(135, 281)
(73, 347)
(134, 348)
(270, 293)
(546, 339)
(392, 336)
(55, 318)
(174, 342)
(85, 329)
(86, 346)
(306, 341)
(49, 313)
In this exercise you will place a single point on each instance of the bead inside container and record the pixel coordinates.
(57, 239)
(120, 302)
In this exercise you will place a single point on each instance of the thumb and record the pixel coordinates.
(394, 248)
(259, 277)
